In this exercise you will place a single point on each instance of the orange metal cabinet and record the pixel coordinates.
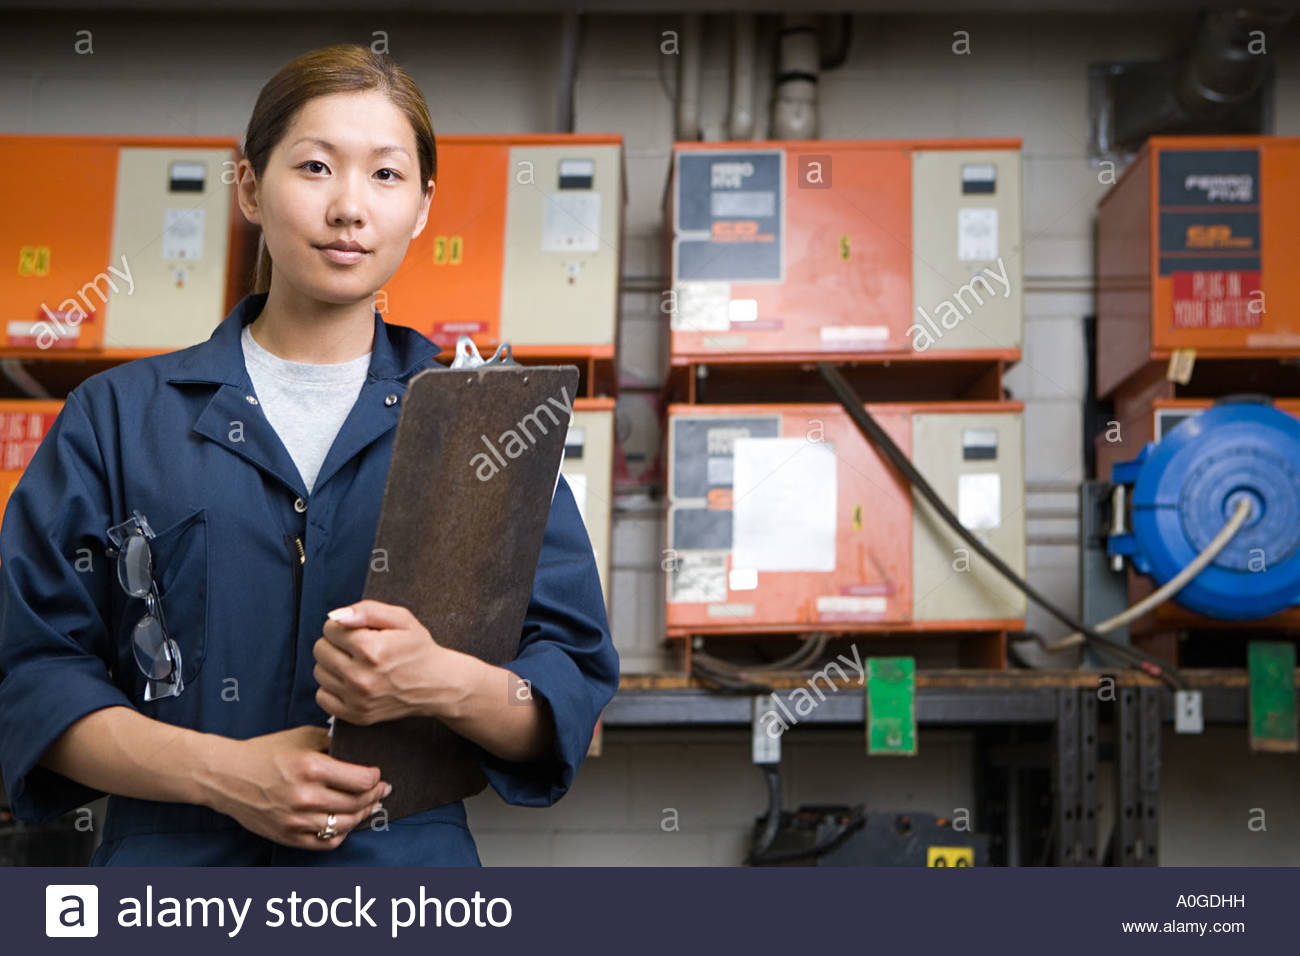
(845, 247)
(784, 518)
(523, 244)
(119, 242)
(1197, 249)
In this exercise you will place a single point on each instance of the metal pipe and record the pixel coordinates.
(794, 104)
(688, 78)
(741, 125)
(1224, 67)
(569, 34)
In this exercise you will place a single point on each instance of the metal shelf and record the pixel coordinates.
(698, 707)
(942, 697)
(1068, 703)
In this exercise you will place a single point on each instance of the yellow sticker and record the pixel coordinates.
(844, 248)
(857, 517)
(949, 856)
(1181, 363)
(448, 250)
(34, 261)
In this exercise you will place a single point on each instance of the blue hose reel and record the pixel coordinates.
(1186, 487)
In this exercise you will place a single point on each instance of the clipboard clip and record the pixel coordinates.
(467, 354)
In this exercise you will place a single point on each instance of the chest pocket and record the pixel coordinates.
(180, 568)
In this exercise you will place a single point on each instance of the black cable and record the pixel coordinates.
(772, 822)
(856, 821)
(809, 651)
(880, 438)
(728, 683)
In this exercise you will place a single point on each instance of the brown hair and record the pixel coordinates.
(345, 68)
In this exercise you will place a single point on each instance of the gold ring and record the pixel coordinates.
(328, 832)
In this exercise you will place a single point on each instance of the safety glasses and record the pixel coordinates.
(156, 654)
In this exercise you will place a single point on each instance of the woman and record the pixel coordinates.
(195, 687)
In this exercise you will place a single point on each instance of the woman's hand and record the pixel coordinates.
(284, 786)
(380, 663)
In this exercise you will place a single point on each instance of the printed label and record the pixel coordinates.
(977, 234)
(729, 215)
(698, 579)
(1217, 300)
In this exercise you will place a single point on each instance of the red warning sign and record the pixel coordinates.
(1217, 299)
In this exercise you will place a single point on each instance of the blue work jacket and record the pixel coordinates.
(180, 438)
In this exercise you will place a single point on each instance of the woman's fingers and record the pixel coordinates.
(344, 823)
(340, 775)
(323, 799)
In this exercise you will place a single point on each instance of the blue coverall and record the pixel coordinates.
(176, 437)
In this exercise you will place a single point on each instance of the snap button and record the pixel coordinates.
(251, 399)
(390, 400)
(299, 505)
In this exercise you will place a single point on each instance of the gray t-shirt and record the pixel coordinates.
(305, 403)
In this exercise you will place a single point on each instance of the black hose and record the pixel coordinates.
(880, 438)
(772, 822)
(728, 683)
(808, 652)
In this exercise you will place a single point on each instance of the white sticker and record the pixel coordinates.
(742, 310)
(1272, 340)
(182, 234)
(783, 510)
(698, 579)
(743, 579)
(851, 604)
(571, 222)
(702, 307)
(847, 336)
(977, 234)
(1188, 716)
(979, 500)
(731, 610)
(733, 342)
(54, 327)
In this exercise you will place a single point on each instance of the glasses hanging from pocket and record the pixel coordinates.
(156, 654)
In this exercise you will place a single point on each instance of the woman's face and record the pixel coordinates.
(345, 172)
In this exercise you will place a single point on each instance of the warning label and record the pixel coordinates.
(20, 436)
(1217, 300)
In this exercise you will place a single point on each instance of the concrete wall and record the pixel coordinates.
(1025, 76)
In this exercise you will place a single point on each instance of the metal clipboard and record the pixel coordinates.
(475, 463)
